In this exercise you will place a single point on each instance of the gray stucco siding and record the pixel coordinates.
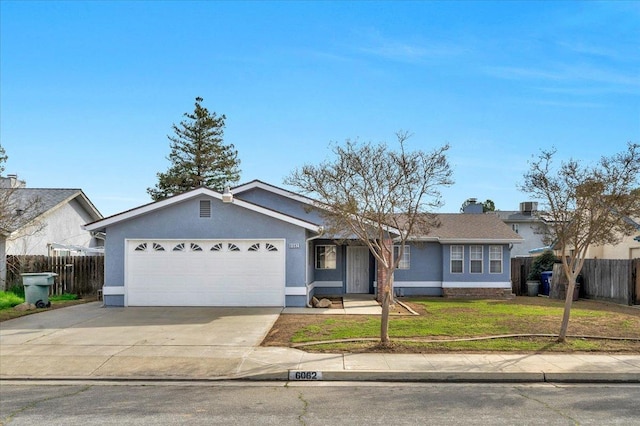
(425, 264)
(182, 221)
(282, 204)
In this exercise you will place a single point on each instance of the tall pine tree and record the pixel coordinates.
(198, 156)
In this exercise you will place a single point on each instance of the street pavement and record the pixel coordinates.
(89, 342)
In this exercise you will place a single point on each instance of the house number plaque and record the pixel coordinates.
(294, 245)
(305, 375)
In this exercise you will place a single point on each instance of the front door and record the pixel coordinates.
(357, 270)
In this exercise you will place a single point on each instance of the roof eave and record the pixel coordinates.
(101, 225)
(480, 241)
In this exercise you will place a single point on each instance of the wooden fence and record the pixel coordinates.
(81, 275)
(602, 279)
(520, 267)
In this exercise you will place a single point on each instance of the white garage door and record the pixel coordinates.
(205, 273)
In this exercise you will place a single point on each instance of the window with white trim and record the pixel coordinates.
(475, 259)
(457, 259)
(495, 259)
(405, 262)
(325, 257)
(515, 228)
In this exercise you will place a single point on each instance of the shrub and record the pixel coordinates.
(542, 263)
(17, 289)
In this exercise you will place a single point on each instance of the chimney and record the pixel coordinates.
(472, 206)
(11, 181)
(227, 196)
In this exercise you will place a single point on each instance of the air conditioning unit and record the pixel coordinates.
(528, 207)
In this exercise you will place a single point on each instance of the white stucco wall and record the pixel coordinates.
(61, 225)
(533, 238)
(628, 248)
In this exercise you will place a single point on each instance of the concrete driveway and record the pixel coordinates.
(91, 341)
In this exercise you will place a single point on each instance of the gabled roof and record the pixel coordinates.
(48, 199)
(100, 225)
(470, 228)
(238, 190)
(274, 189)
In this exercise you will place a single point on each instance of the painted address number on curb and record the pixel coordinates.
(305, 375)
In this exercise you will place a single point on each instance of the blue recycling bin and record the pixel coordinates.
(545, 277)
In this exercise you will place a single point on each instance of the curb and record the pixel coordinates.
(593, 377)
(370, 376)
(450, 376)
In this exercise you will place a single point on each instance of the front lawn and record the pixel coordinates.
(442, 321)
(9, 300)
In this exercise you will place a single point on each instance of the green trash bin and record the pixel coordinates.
(36, 288)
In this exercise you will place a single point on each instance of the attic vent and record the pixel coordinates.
(205, 208)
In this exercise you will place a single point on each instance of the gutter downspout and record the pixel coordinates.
(306, 268)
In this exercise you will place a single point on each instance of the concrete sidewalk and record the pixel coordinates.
(86, 342)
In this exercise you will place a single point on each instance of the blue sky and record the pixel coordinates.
(89, 90)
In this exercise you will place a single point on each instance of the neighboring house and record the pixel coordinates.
(627, 248)
(39, 221)
(264, 246)
(529, 225)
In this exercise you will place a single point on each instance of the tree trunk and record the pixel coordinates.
(568, 301)
(384, 320)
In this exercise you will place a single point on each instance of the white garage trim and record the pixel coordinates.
(205, 272)
(295, 291)
(113, 290)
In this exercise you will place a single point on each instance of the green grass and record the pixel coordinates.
(502, 345)
(61, 297)
(9, 299)
(466, 318)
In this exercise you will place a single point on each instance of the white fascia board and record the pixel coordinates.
(147, 208)
(89, 206)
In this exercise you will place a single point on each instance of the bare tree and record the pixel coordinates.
(585, 205)
(18, 214)
(378, 196)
